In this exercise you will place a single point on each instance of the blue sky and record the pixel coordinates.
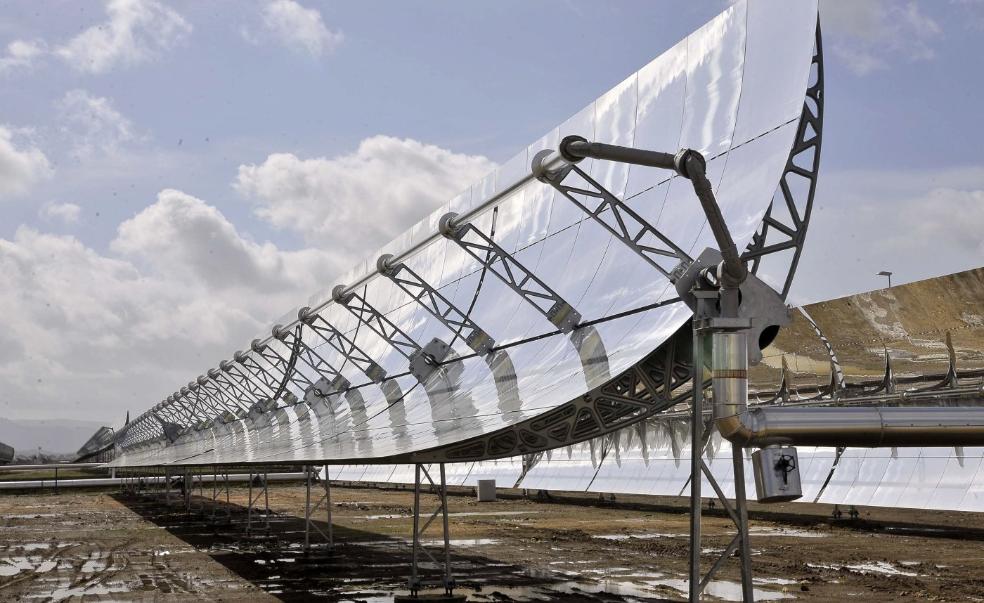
(162, 165)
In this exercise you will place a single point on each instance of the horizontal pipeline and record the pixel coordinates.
(866, 427)
(147, 479)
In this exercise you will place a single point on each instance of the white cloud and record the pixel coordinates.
(298, 28)
(357, 202)
(186, 240)
(92, 124)
(21, 54)
(868, 35)
(136, 31)
(917, 224)
(20, 168)
(97, 333)
(61, 212)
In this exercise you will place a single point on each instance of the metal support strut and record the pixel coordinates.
(309, 511)
(261, 491)
(416, 582)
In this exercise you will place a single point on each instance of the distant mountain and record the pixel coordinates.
(54, 436)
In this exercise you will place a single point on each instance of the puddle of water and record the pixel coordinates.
(93, 565)
(722, 589)
(461, 514)
(763, 531)
(645, 536)
(878, 567)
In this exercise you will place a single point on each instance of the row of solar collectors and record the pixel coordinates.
(918, 478)
(723, 90)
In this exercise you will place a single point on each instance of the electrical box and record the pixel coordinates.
(777, 477)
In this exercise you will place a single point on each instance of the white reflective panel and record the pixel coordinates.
(715, 58)
(957, 479)
(898, 474)
(927, 470)
(561, 473)
(815, 465)
(505, 472)
(773, 51)
(974, 499)
(662, 86)
(843, 477)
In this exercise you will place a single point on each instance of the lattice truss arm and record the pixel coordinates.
(342, 344)
(437, 305)
(233, 375)
(657, 249)
(784, 226)
(205, 388)
(263, 372)
(242, 398)
(323, 370)
(219, 394)
(377, 322)
(508, 269)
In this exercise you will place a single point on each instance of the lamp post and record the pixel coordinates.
(889, 275)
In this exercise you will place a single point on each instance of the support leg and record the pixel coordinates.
(696, 453)
(741, 510)
(414, 577)
(307, 508)
(249, 505)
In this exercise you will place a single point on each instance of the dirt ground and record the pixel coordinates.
(101, 545)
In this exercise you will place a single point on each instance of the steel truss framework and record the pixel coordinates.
(653, 385)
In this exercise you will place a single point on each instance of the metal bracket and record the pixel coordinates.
(511, 272)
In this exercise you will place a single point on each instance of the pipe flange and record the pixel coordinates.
(562, 147)
(446, 225)
(683, 156)
(306, 315)
(338, 294)
(384, 264)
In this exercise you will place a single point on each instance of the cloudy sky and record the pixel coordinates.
(175, 175)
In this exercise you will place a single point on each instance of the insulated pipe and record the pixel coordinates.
(868, 427)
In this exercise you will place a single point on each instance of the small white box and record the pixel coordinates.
(486, 490)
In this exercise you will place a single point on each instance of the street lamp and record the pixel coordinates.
(889, 275)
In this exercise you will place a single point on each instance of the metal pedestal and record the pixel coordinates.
(416, 584)
(699, 434)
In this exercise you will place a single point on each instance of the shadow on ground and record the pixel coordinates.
(362, 566)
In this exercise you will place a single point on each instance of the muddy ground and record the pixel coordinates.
(100, 545)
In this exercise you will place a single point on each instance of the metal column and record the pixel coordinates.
(309, 511)
(447, 580)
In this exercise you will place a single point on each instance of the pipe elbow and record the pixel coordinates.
(733, 429)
